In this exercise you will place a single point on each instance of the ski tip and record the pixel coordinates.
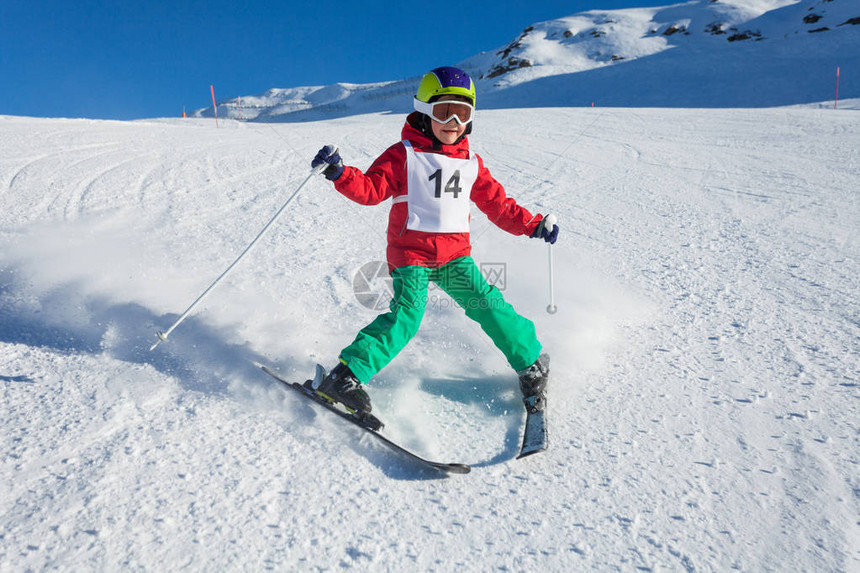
(457, 468)
(527, 453)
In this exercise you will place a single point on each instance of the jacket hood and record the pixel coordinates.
(412, 131)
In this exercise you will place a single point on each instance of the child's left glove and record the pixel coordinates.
(329, 154)
(547, 229)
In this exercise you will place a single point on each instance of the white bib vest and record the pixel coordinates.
(438, 191)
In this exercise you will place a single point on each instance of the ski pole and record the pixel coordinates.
(162, 336)
(551, 308)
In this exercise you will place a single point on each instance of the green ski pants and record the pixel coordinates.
(381, 340)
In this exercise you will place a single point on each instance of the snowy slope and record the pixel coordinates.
(704, 402)
(703, 53)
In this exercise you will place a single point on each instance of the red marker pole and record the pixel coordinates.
(836, 100)
(215, 107)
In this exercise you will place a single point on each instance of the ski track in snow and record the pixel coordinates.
(704, 398)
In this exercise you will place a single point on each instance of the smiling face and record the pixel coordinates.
(450, 132)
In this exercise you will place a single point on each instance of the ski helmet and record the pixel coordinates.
(444, 81)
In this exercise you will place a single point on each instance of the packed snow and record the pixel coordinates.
(704, 396)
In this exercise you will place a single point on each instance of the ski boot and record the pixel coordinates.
(341, 385)
(533, 382)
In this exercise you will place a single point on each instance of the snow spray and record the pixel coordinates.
(162, 336)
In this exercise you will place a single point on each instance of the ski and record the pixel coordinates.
(368, 422)
(535, 438)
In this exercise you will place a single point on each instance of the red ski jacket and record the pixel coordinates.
(387, 178)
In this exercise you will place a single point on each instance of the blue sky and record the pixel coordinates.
(134, 59)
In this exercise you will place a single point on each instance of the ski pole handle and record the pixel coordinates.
(324, 164)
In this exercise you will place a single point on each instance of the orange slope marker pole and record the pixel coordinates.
(215, 107)
(836, 100)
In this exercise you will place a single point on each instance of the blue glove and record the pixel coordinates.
(330, 155)
(547, 229)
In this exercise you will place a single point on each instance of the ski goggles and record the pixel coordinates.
(445, 111)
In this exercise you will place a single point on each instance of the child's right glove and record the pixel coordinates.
(547, 229)
(329, 154)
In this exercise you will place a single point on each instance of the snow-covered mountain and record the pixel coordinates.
(704, 53)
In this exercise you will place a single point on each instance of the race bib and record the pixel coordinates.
(439, 191)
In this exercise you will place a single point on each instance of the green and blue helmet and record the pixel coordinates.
(446, 80)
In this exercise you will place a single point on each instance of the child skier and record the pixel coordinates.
(431, 177)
